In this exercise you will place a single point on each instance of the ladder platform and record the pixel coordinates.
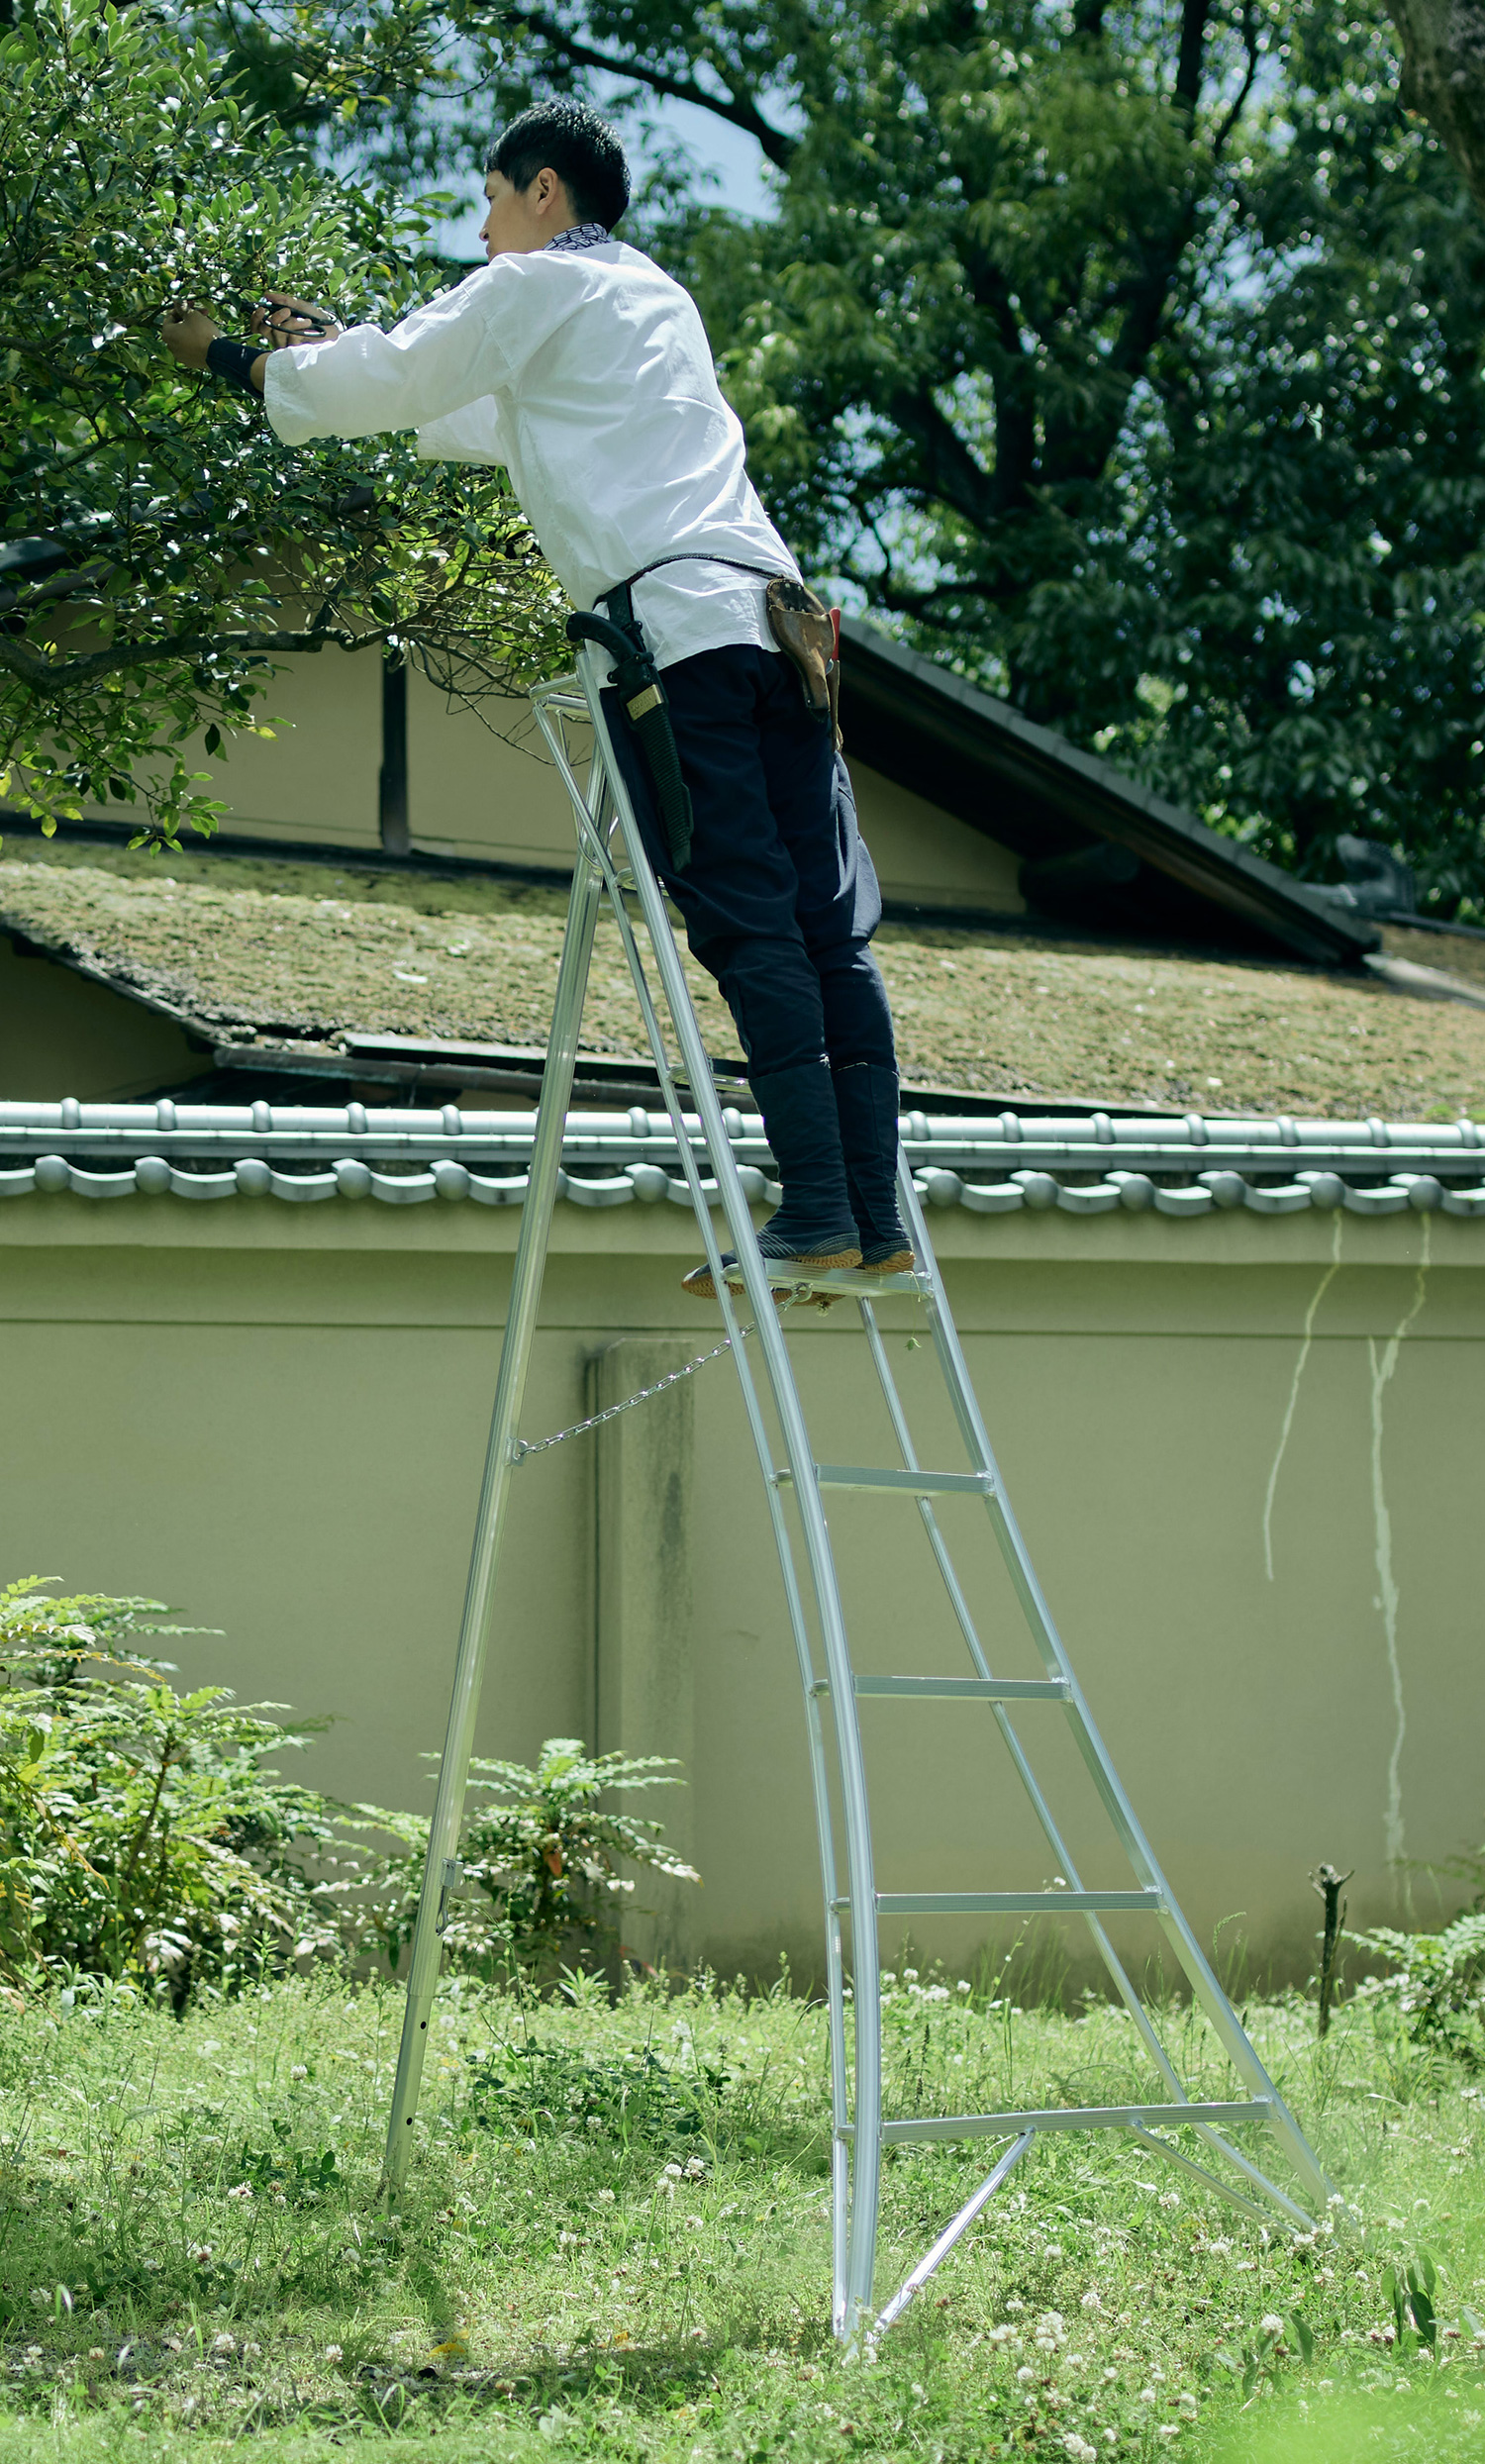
(855, 1279)
(1069, 2117)
(902, 1483)
(1015, 1903)
(963, 1689)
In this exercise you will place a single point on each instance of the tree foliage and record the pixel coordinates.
(159, 550)
(1125, 356)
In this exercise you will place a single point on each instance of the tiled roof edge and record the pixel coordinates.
(1177, 1168)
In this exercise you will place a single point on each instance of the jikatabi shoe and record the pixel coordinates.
(887, 1258)
(701, 1284)
(866, 1095)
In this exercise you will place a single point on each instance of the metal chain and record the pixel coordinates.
(520, 1450)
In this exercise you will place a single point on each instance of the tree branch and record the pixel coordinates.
(949, 470)
(1234, 113)
(739, 110)
(1188, 80)
(49, 676)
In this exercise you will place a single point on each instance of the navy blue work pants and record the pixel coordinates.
(779, 897)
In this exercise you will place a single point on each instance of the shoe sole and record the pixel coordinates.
(901, 1262)
(702, 1286)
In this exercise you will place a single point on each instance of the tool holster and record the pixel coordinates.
(641, 697)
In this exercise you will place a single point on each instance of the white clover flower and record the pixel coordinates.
(241, 2190)
(1025, 2375)
(224, 2343)
(964, 1986)
(1270, 2323)
(607, 2198)
(331, 2352)
(1092, 2300)
(1078, 2449)
(1170, 2197)
(695, 2168)
(909, 1976)
(1053, 2250)
(297, 2070)
(1186, 2405)
(1146, 2396)
(1004, 2335)
(1015, 2305)
(672, 2173)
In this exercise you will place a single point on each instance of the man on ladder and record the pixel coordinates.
(575, 362)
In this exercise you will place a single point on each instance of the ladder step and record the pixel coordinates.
(905, 1483)
(968, 1689)
(1015, 1903)
(1067, 2118)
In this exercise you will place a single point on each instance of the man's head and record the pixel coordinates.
(557, 164)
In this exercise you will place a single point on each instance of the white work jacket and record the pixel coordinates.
(587, 374)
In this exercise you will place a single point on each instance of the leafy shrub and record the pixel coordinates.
(146, 1838)
(1435, 1993)
(143, 1836)
(541, 1860)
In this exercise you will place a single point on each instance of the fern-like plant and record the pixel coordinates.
(541, 1860)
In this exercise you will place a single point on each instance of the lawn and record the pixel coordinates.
(613, 2242)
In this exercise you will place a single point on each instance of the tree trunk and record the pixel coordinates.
(1443, 77)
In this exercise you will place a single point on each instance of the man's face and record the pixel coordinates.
(522, 220)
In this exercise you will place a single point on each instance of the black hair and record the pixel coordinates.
(572, 140)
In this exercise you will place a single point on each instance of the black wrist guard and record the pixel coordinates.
(234, 363)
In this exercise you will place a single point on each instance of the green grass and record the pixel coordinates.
(613, 2243)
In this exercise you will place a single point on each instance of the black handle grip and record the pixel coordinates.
(609, 636)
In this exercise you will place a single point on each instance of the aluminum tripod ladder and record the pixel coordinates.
(611, 866)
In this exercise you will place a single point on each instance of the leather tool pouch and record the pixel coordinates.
(807, 632)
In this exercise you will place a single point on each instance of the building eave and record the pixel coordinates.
(985, 745)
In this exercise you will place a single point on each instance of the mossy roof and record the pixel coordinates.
(254, 949)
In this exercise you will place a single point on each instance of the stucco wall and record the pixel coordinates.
(485, 786)
(275, 1417)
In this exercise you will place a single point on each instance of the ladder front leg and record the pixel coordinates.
(500, 1462)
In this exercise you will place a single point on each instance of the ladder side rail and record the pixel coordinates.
(865, 2170)
(896, 1414)
(1231, 2033)
(798, 1623)
(510, 1389)
(718, 1149)
(1118, 1973)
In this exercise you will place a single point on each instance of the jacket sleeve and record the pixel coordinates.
(443, 358)
(471, 435)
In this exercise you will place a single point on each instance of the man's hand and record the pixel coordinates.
(283, 321)
(188, 334)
